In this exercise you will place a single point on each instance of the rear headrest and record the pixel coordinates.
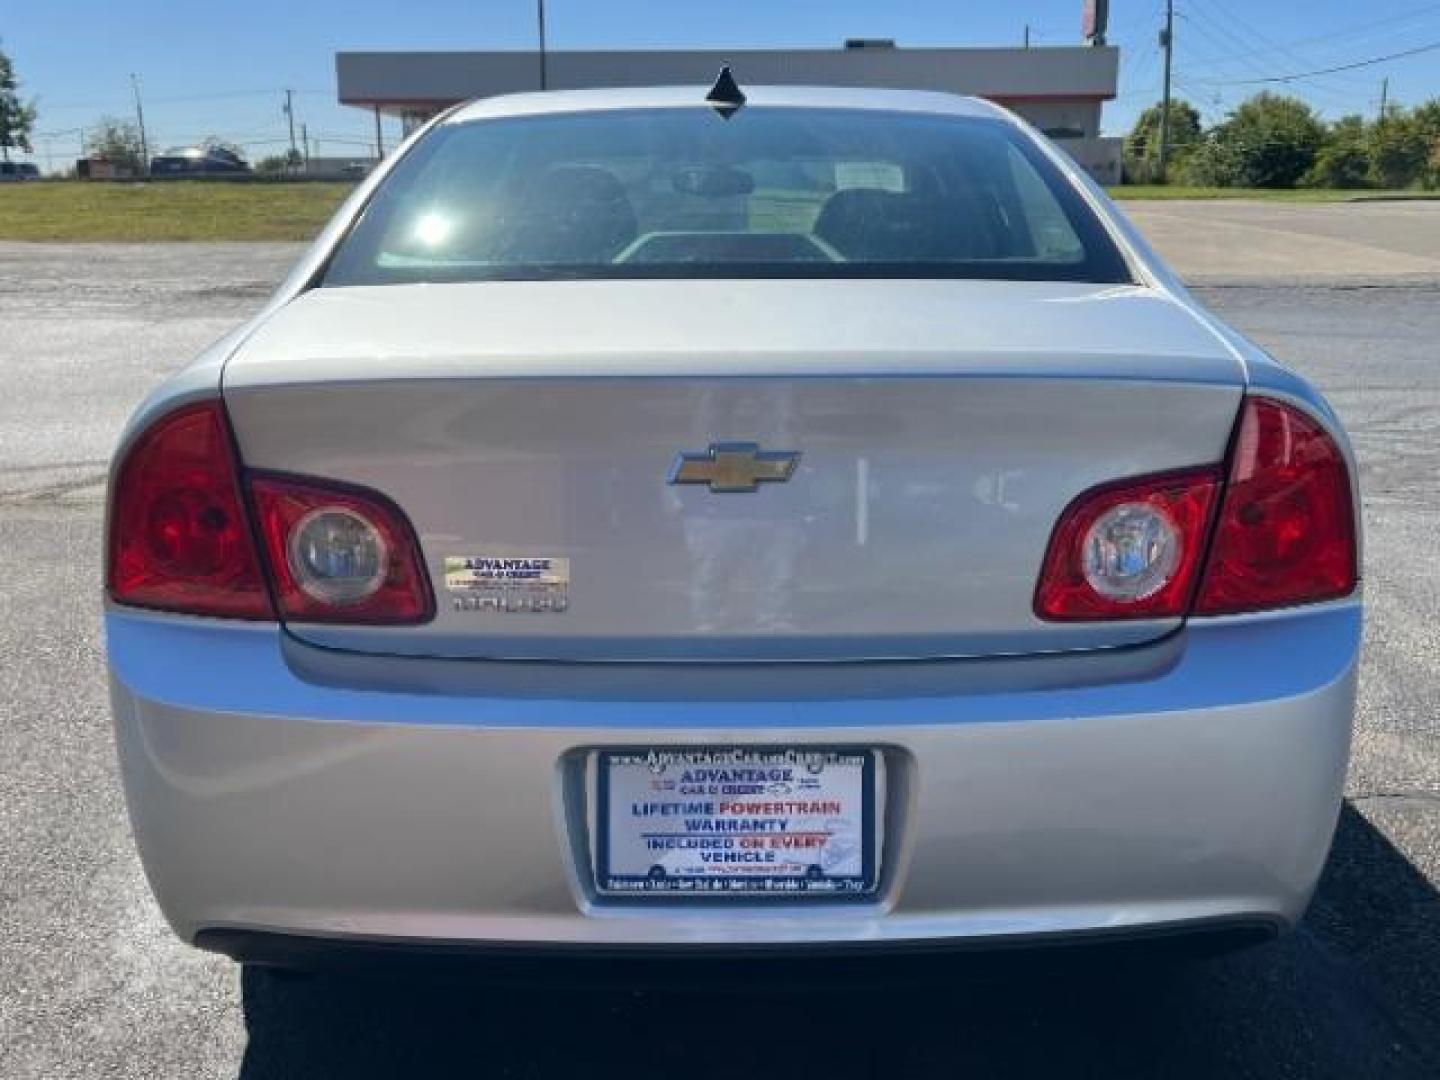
(579, 183)
(571, 214)
(874, 225)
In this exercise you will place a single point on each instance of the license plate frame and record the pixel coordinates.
(857, 879)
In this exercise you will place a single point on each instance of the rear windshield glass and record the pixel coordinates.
(683, 192)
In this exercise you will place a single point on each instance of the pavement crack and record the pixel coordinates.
(1422, 794)
(52, 492)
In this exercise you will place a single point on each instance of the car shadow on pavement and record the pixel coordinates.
(1353, 994)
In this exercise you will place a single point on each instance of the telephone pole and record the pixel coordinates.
(1384, 96)
(1167, 42)
(1027, 35)
(305, 142)
(540, 18)
(289, 108)
(140, 123)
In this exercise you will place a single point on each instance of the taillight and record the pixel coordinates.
(179, 539)
(1129, 550)
(1286, 533)
(339, 554)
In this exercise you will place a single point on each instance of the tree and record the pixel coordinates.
(1399, 151)
(17, 117)
(1426, 117)
(1273, 140)
(1344, 159)
(118, 142)
(1142, 145)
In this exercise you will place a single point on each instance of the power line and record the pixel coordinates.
(183, 99)
(1338, 91)
(1293, 76)
(1358, 30)
(1216, 28)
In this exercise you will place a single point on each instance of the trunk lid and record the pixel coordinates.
(940, 428)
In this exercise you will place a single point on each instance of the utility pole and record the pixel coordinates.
(289, 108)
(305, 142)
(1027, 35)
(1167, 42)
(1384, 96)
(540, 18)
(379, 137)
(140, 122)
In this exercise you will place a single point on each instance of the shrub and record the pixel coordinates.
(1142, 145)
(1272, 140)
(1344, 159)
(1399, 152)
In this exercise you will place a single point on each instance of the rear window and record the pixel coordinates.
(682, 192)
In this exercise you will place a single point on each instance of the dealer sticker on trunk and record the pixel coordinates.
(508, 583)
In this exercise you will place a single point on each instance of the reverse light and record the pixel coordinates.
(1129, 550)
(179, 539)
(337, 556)
(340, 554)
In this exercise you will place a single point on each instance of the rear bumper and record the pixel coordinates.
(775, 966)
(277, 789)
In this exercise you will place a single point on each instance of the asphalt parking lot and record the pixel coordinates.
(92, 984)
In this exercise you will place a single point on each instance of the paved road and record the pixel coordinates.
(1249, 240)
(92, 985)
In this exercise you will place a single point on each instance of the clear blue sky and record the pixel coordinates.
(219, 67)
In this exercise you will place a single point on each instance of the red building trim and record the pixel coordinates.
(1040, 99)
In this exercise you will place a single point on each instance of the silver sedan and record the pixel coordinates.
(789, 518)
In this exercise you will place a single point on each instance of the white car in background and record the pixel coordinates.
(799, 519)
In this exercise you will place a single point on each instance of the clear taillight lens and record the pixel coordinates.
(1129, 550)
(1286, 533)
(179, 539)
(339, 554)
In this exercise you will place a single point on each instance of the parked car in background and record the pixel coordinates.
(198, 161)
(18, 170)
(659, 523)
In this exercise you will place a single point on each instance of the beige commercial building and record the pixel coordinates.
(1059, 90)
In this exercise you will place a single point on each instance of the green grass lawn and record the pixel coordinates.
(197, 210)
(171, 210)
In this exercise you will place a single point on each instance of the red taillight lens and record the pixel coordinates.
(339, 554)
(1130, 550)
(179, 540)
(1286, 533)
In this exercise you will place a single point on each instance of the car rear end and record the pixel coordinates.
(815, 527)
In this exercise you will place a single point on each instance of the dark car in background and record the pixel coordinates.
(198, 161)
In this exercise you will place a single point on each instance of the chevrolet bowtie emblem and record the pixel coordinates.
(731, 467)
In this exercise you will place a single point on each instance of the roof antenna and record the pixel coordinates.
(725, 97)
